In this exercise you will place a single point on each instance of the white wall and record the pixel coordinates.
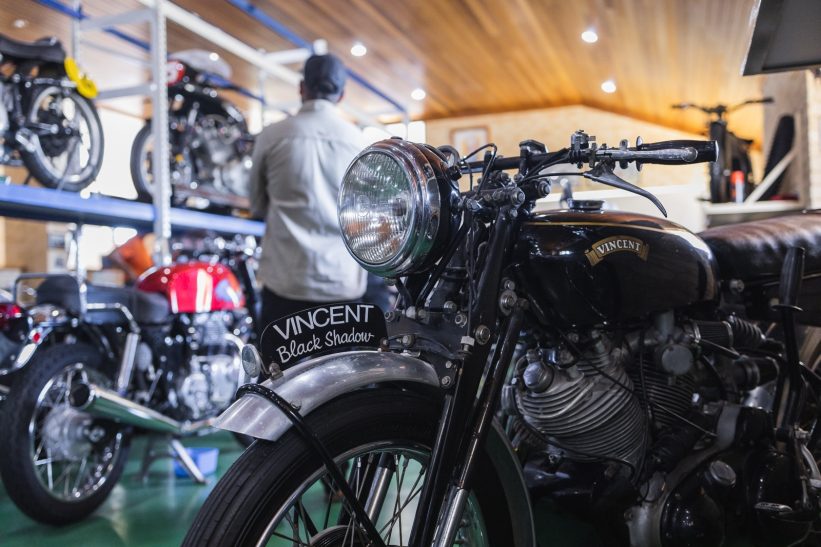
(119, 131)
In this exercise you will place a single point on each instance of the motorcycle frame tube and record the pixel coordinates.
(313, 383)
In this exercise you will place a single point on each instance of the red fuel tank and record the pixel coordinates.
(195, 287)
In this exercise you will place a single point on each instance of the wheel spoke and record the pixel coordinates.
(310, 527)
(74, 489)
(50, 472)
(404, 484)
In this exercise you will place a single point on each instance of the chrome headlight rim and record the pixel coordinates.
(428, 198)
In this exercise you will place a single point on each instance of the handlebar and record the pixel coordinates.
(678, 152)
(722, 109)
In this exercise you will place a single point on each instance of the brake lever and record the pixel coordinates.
(603, 173)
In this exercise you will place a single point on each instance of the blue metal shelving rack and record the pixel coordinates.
(30, 203)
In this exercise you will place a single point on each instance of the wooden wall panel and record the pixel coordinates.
(483, 56)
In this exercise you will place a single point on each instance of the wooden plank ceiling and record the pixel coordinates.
(482, 56)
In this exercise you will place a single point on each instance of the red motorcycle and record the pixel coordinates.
(95, 364)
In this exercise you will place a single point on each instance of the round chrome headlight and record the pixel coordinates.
(395, 207)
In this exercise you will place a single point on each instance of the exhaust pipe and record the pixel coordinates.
(104, 403)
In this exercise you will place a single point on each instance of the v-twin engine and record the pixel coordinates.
(585, 407)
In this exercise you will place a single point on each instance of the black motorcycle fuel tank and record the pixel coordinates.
(586, 266)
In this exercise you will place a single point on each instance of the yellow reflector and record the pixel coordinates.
(85, 85)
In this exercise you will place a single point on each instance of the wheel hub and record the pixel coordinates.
(64, 433)
(54, 145)
(338, 536)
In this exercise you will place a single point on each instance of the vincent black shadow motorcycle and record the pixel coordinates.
(47, 120)
(210, 145)
(642, 377)
(735, 156)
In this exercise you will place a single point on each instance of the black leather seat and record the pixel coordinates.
(753, 251)
(49, 49)
(62, 290)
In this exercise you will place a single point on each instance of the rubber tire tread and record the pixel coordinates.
(266, 474)
(19, 480)
(39, 172)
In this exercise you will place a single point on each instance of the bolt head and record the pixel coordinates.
(482, 334)
(446, 381)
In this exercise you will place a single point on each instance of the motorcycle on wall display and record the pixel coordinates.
(47, 120)
(644, 378)
(735, 156)
(95, 363)
(211, 147)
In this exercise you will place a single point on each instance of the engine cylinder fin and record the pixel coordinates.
(668, 394)
(592, 415)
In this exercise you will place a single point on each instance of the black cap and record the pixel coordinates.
(325, 76)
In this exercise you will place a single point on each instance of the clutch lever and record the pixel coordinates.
(603, 173)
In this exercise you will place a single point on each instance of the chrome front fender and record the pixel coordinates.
(318, 381)
(315, 382)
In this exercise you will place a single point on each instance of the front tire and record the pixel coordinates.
(266, 492)
(58, 464)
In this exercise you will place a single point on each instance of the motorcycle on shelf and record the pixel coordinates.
(644, 378)
(95, 364)
(731, 173)
(47, 120)
(211, 148)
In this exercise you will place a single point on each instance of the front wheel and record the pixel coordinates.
(58, 464)
(278, 493)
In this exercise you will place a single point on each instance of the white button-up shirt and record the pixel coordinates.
(298, 167)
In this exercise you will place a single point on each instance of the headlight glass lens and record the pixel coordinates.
(376, 208)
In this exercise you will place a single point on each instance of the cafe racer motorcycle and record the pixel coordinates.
(47, 120)
(642, 376)
(210, 144)
(95, 363)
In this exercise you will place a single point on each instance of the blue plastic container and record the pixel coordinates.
(205, 458)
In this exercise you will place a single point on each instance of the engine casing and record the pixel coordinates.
(214, 371)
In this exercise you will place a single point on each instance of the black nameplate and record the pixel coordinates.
(323, 329)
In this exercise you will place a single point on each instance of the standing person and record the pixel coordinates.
(298, 167)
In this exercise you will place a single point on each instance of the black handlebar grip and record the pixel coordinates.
(703, 151)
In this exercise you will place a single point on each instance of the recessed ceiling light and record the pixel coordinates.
(418, 94)
(214, 56)
(358, 49)
(590, 36)
(20, 23)
(608, 86)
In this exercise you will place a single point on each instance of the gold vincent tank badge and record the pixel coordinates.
(615, 244)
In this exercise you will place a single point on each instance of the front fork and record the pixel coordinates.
(473, 400)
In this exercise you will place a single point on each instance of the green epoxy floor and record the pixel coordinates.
(158, 512)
